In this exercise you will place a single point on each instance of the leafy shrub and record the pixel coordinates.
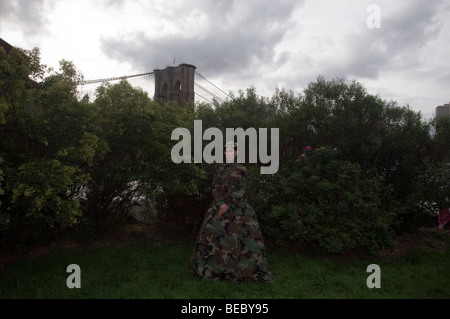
(322, 199)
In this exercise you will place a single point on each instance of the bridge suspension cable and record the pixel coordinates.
(206, 93)
(203, 98)
(209, 92)
(116, 78)
(212, 84)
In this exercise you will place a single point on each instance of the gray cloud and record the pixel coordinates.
(395, 45)
(238, 35)
(29, 15)
(238, 40)
(118, 3)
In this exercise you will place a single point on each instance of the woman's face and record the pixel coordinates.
(230, 154)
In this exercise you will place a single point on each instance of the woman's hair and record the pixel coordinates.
(231, 144)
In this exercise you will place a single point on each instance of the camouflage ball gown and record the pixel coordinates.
(230, 247)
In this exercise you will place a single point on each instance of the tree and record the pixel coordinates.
(137, 132)
(441, 139)
(379, 144)
(353, 168)
(322, 199)
(47, 140)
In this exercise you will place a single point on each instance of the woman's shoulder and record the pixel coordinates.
(239, 167)
(233, 167)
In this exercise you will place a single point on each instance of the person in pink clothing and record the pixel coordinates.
(443, 218)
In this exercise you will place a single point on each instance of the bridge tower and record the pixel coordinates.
(175, 84)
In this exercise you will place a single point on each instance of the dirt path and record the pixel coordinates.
(427, 238)
(156, 233)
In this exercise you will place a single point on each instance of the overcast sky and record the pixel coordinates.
(237, 44)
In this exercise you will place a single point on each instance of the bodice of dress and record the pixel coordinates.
(229, 186)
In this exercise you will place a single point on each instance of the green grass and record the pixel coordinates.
(145, 269)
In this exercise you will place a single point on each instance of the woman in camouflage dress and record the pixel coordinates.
(230, 244)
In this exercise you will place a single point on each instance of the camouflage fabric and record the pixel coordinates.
(231, 246)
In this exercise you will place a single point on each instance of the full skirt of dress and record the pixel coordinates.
(230, 247)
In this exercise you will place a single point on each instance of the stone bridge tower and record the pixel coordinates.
(175, 84)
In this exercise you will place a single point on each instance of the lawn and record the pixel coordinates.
(142, 267)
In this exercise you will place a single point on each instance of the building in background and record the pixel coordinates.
(5, 45)
(175, 84)
(443, 110)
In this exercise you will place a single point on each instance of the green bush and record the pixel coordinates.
(110, 153)
(323, 200)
